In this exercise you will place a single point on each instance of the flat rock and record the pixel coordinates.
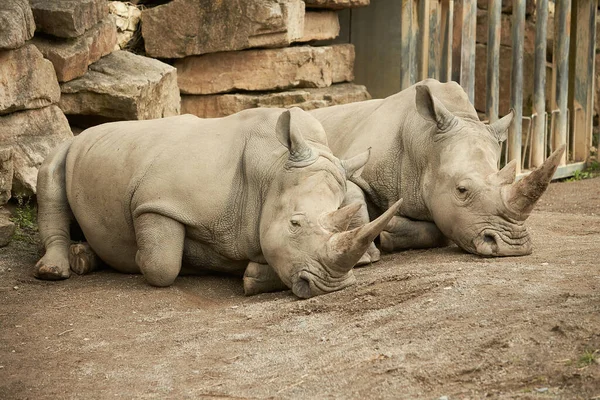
(191, 27)
(72, 56)
(32, 134)
(269, 69)
(7, 229)
(16, 23)
(27, 80)
(123, 86)
(6, 174)
(67, 18)
(320, 25)
(336, 4)
(212, 106)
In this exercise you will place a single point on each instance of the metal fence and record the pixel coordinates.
(438, 39)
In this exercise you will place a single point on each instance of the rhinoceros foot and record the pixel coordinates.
(261, 278)
(52, 268)
(82, 259)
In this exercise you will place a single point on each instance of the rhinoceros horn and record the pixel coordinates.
(338, 220)
(344, 249)
(522, 196)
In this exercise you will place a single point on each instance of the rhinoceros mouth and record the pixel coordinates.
(306, 284)
(494, 243)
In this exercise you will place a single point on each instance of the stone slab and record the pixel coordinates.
(270, 69)
(320, 25)
(72, 56)
(123, 86)
(213, 106)
(27, 80)
(6, 174)
(32, 134)
(182, 28)
(67, 18)
(16, 23)
(336, 4)
(7, 229)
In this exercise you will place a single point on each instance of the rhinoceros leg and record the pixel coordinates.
(82, 259)
(160, 248)
(355, 194)
(54, 216)
(261, 278)
(403, 233)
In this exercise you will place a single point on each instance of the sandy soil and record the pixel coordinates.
(419, 324)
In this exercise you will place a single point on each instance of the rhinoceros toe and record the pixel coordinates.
(51, 271)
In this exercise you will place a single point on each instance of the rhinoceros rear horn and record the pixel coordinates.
(354, 166)
(430, 108)
(344, 249)
(522, 196)
(289, 133)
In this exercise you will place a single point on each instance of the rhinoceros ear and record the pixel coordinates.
(499, 129)
(355, 165)
(430, 108)
(290, 135)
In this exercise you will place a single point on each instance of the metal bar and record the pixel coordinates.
(407, 45)
(583, 77)
(467, 53)
(560, 76)
(516, 81)
(493, 60)
(433, 68)
(538, 142)
(423, 38)
(447, 40)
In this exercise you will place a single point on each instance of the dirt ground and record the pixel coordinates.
(418, 325)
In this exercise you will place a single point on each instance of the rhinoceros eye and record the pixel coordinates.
(461, 189)
(295, 222)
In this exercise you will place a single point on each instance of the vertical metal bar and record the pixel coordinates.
(583, 90)
(493, 60)
(538, 142)
(433, 67)
(447, 40)
(407, 45)
(560, 76)
(467, 55)
(516, 82)
(423, 38)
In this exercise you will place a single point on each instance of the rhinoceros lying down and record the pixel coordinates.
(180, 194)
(430, 148)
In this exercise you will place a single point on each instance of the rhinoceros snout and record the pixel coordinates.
(491, 244)
(301, 288)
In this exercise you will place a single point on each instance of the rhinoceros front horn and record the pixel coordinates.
(522, 196)
(344, 249)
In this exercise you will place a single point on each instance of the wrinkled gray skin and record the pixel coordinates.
(429, 147)
(182, 194)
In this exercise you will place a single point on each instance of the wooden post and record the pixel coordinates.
(538, 140)
(407, 45)
(560, 76)
(493, 59)
(516, 83)
(435, 41)
(423, 38)
(447, 40)
(464, 46)
(583, 77)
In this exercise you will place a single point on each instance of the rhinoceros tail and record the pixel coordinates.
(54, 215)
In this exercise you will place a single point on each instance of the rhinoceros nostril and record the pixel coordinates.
(301, 288)
(487, 238)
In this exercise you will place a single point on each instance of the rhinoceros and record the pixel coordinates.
(430, 148)
(182, 194)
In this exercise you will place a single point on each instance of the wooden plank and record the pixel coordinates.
(583, 77)
(435, 41)
(423, 39)
(560, 75)
(516, 82)
(493, 60)
(538, 141)
(457, 23)
(407, 44)
(446, 40)
(467, 51)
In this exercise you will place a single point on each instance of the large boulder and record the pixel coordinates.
(269, 69)
(123, 86)
(336, 4)
(72, 56)
(191, 27)
(16, 23)
(6, 174)
(212, 106)
(27, 80)
(31, 134)
(7, 228)
(67, 18)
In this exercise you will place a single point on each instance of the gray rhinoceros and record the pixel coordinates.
(180, 194)
(430, 148)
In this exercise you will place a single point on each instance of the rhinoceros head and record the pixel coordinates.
(303, 230)
(473, 203)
